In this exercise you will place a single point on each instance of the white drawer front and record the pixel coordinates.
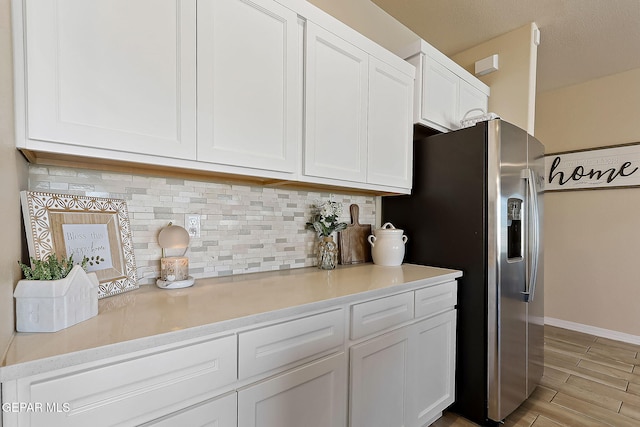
(271, 347)
(435, 299)
(136, 390)
(377, 315)
(220, 412)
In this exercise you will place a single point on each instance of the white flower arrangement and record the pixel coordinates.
(325, 218)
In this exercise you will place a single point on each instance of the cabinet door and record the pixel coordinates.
(379, 371)
(432, 366)
(440, 94)
(111, 74)
(312, 395)
(390, 133)
(248, 86)
(220, 412)
(336, 107)
(471, 99)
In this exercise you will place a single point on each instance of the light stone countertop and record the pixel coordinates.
(150, 317)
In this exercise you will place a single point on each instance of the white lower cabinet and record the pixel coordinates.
(314, 395)
(220, 412)
(379, 369)
(431, 382)
(126, 391)
(395, 369)
(405, 377)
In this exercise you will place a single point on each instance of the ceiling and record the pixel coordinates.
(580, 39)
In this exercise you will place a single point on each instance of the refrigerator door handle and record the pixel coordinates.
(534, 230)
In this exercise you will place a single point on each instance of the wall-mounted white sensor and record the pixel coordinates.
(487, 65)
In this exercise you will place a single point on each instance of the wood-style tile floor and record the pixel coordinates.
(588, 381)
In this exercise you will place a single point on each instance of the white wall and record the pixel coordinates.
(592, 238)
(13, 176)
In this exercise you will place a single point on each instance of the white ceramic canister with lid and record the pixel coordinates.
(387, 245)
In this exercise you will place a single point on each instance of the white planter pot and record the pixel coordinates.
(52, 305)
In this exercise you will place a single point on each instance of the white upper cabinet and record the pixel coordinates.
(248, 86)
(265, 89)
(471, 101)
(336, 107)
(108, 74)
(358, 114)
(390, 129)
(439, 101)
(444, 91)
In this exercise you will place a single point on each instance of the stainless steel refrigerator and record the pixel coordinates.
(476, 205)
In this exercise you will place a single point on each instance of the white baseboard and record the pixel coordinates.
(592, 330)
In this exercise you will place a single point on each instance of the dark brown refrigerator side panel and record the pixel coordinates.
(445, 220)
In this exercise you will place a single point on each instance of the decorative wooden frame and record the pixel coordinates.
(615, 166)
(103, 228)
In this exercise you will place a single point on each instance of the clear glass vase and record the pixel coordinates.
(327, 253)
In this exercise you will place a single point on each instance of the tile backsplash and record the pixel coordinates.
(244, 228)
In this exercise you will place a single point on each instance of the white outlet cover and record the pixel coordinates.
(192, 224)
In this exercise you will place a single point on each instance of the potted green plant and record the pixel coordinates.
(55, 294)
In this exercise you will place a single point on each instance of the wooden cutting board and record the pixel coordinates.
(353, 247)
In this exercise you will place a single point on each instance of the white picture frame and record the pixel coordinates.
(95, 227)
(607, 167)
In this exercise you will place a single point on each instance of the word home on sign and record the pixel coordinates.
(601, 168)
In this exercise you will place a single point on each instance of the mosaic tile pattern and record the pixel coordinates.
(244, 228)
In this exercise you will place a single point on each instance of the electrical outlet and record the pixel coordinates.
(192, 224)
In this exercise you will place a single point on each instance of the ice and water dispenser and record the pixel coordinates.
(514, 228)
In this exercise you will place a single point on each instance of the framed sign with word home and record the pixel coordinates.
(78, 226)
(607, 167)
